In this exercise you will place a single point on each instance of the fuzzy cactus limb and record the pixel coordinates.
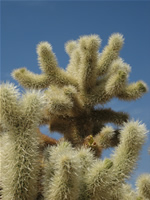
(128, 193)
(88, 46)
(63, 183)
(73, 51)
(20, 152)
(64, 101)
(143, 186)
(133, 91)
(133, 136)
(116, 83)
(87, 158)
(108, 137)
(48, 64)
(110, 52)
(52, 74)
(30, 80)
(111, 173)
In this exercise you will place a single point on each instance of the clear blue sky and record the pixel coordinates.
(25, 23)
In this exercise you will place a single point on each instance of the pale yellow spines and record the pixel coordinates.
(97, 95)
(74, 96)
(128, 193)
(51, 153)
(133, 91)
(63, 101)
(57, 102)
(116, 83)
(128, 92)
(65, 181)
(88, 46)
(46, 58)
(107, 137)
(143, 186)
(110, 52)
(9, 107)
(30, 103)
(97, 180)
(118, 64)
(74, 62)
(97, 77)
(48, 64)
(20, 152)
(87, 159)
(52, 74)
(30, 80)
(132, 138)
(111, 172)
(123, 192)
(64, 184)
(70, 46)
(117, 77)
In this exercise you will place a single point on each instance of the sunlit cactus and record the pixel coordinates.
(93, 178)
(20, 141)
(91, 78)
(71, 101)
(143, 186)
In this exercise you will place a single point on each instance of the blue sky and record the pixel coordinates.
(25, 23)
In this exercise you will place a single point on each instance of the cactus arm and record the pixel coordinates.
(133, 136)
(87, 159)
(57, 102)
(64, 183)
(64, 101)
(97, 95)
(30, 80)
(52, 74)
(72, 50)
(110, 53)
(20, 154)
(98, 179)
(108, 137)
(133, 91)
(48, 63)
(9, 107)
(88, 46)
(143, 186)
(116, 83)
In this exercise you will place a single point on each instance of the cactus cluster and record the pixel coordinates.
(71, 102)
(77, 174)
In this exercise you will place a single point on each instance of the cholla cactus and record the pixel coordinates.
(20, 156)
(143, 185)
(76, 174)
(71, 170)
(90, 79)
